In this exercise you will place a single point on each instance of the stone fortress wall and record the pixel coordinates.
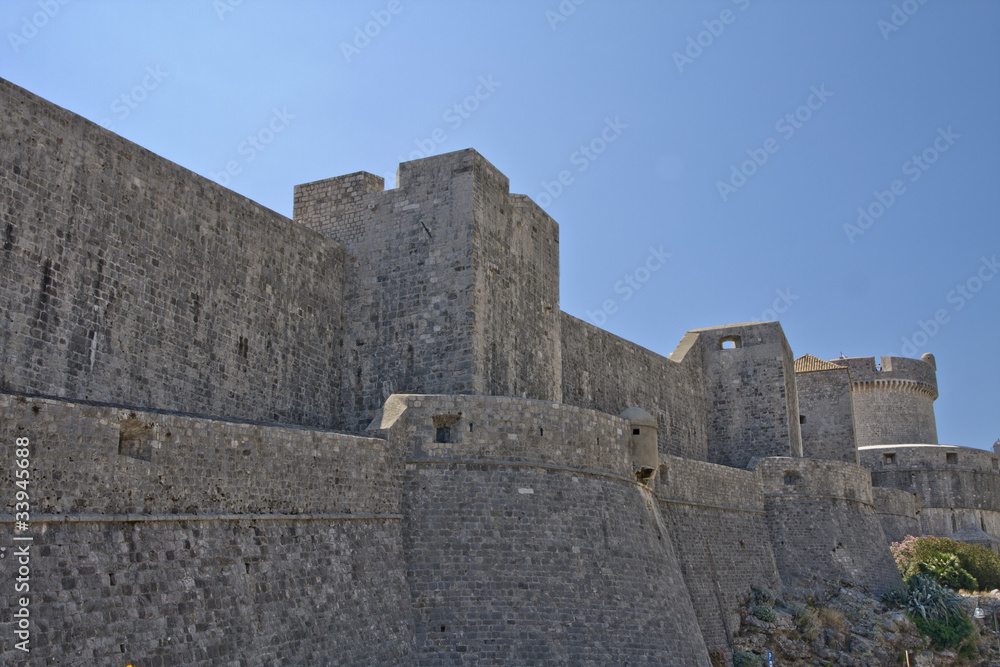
(175, 540)
(957, 486)
(826, 410)
(127, 279)
(188, 353)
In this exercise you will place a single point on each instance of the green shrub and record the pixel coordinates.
(945, 633)
(925, 598)
(746, 659)
(765, 612)
(806, 621)
(764, 595)
(945, 569)
(981, 563)
(935, 610)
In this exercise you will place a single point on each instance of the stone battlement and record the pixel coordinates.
(897, 373)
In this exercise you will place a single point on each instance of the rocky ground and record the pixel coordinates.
(849, 628)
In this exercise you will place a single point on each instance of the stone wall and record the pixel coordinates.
(898, 512)
(958, 486)
(528, 540)
(169, 540)
(752, 409)
(826, 415)
(452, 283)
(719, 528)
(130, 280)
(823, 525)
(603, 372)
(893, 399)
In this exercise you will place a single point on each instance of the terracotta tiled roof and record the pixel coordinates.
(808, 363)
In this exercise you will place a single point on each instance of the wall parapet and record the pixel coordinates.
(154, 464)
(897, 373)
(460, 428)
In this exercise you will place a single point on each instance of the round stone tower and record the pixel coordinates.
(893, 400)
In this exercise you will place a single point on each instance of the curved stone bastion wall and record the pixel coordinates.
(823, 524)
(170, 540)
(719, 528)
(958, 486)
(529, 541)
(898, 512)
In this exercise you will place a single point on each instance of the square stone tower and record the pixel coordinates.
(452, 283)
(752, 408)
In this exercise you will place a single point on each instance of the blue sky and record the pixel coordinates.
(739, 137)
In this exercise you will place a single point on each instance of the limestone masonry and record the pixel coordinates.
(368, 435)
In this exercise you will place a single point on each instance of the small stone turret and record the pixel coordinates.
(893, 400)
(645, 454)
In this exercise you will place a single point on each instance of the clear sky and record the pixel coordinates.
(739, 137)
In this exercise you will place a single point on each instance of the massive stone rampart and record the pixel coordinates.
(529, 541)
(603, 372)
(187, 541)
(824, 525)
(958, 486)
(719, 527)
(898, 512)
(127, 279)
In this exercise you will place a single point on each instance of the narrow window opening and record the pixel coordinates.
(730, 343)
(951, 458)
(541, 431)
(802, 419)
(996, 464)
(470, 427)
(888, 459)
(247, 566)
(635, 431)
(443, 425)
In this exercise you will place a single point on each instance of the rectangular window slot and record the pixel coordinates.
(888, 459)
(951, 458)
